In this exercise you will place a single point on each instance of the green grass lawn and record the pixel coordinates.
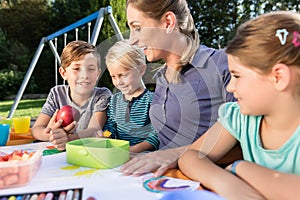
(26, 107)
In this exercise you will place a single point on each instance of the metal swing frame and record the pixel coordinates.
(99, 16)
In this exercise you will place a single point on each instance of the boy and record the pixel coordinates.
(80, 67)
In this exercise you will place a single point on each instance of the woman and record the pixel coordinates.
(190, 86)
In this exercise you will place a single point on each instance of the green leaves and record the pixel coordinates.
(24, 22)
(217, 20)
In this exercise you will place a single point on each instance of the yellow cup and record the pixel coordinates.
(21, 124)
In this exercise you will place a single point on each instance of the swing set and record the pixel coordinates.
(98, 16)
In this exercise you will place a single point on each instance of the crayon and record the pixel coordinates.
(20, 197)
(34, 197)
(76, 194)
(62, 195)
(26, 197)
(12, 198)
(49, 196)
(41, 196)
(69, 195)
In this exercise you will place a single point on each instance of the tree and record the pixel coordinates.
(282, 5)
(25, 21)
(107, 38)
(217, 21)
(4, 53)
(73, 10)
(214, 20)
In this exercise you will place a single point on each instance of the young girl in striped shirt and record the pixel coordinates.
(128, 111)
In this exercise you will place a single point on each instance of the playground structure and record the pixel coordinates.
(98, 16)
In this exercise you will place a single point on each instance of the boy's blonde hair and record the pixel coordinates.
(267, 40)
(129, 56)
(75, 51)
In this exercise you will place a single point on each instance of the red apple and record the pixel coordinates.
(68, 114)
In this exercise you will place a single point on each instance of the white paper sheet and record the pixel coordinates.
(107, 184)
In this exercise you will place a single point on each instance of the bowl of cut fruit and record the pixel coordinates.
(19, 165)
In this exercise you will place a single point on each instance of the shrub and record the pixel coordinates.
(10, 82)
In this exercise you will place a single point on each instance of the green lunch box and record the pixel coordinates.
(101, 153)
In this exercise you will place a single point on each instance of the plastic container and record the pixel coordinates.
(15, 173)
(101, 153)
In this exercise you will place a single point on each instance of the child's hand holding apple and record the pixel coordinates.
(63, 123)
(67, 114)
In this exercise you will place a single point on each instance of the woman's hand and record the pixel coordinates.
(158, 162)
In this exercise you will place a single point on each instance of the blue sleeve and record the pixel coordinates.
(153, 139)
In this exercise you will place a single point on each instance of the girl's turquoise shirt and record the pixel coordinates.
(245, 129)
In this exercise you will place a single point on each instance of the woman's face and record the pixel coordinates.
(148, 34)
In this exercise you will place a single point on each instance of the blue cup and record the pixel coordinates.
(4, 134)
(7, 121)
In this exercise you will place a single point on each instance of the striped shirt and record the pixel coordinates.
(129, 120)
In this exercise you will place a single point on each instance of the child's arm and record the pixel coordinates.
(96, 123)
(140, 147)
(43, 125)
(60, 136)
(47, 129)
(198, 164)
(198, 167)
(270, 183)
(98, 120)
(40, 129)
(151, 142)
